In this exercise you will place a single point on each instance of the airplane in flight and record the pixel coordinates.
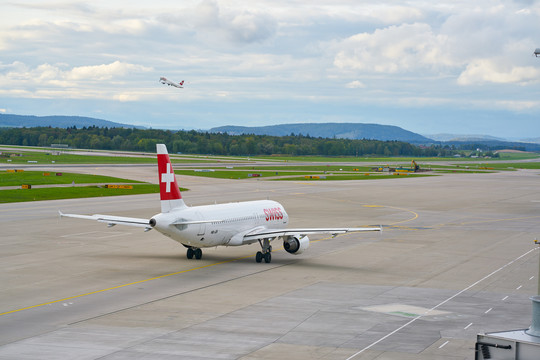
(229, 224)
(166, 81)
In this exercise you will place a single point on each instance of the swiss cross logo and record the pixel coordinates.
(168, 187)
(168, 178)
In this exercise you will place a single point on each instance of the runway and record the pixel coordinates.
(456, 258)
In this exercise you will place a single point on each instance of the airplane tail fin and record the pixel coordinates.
(168, 186)
(182, 82)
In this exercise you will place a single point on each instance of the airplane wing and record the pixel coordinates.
(258, 233)
(112, 220)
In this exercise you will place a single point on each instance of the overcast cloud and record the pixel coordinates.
(429, 67)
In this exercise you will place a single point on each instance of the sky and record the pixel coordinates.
(447, 66)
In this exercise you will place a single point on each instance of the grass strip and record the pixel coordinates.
(38, 178)
(354, 177)
(19, 195)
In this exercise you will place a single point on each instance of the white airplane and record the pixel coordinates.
(166, 81)
(231, 224)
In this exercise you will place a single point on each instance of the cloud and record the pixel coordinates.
(102, 72)
(519, 105)
(207, 14)
(125, 26)
(394, 49)
(355, 85)
(239, 26)
(483, 71)
(46, 72)
(249, 27)
(418, 55)
(220, 26)
(394, 14)
(50, 81)
(127, 97)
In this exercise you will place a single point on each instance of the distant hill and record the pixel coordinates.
(330, 130)
(467, 138)
(10, 120)
(491, 142)
(493, 145)
(532, 140)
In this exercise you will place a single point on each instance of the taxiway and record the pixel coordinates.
(456, 258)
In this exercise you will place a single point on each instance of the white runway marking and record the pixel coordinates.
(468, 326)
(446, 342)
(488, 310)
(441, 303)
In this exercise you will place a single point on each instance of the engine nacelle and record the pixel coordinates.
(295, 245)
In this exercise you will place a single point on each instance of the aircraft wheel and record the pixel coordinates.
(190, 253)
(198, 254)
(267, 257)
(259, 256)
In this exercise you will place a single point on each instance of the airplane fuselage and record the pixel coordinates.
(166, 81)
(221, 224)
(231, 224)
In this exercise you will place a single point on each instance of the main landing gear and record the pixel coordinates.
(266, 252)
(192, 251)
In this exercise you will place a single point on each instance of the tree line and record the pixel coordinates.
(196, 142)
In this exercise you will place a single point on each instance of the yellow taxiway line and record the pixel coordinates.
(121, 286)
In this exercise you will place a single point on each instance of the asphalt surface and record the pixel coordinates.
(456, 258)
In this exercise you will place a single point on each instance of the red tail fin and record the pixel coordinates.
(168, 186)
(182, 82)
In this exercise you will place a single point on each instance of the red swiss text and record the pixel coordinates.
(273, 214)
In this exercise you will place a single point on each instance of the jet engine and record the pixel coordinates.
(295, 245)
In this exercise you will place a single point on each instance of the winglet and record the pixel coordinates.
(168, 186)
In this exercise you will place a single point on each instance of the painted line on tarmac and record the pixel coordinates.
(441, 303)
(485, 221)
(124, 285)
(415, 214)
(140, 281)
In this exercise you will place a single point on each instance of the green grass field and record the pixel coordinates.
(357, 177)
(66, 157)
(233, 174)
(43, 158)
(69, 192)
(293, 167)
(18, 195)
(37, 178)
(285, 168)
(406, 160)
(514, 166)
(270, 171)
